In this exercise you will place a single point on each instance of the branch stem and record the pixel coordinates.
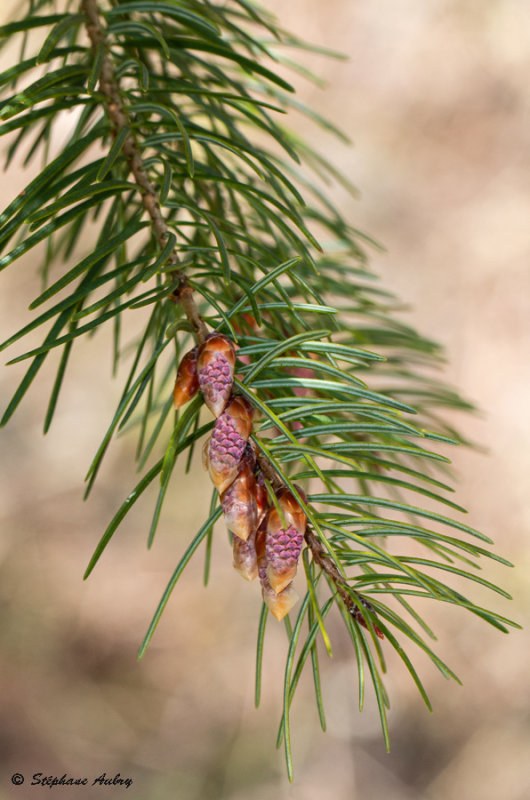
(347, 594)
(109, 87)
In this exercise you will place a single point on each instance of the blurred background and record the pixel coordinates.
(435, 96)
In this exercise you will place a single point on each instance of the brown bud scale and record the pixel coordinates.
(245, 559)
(239, 500)
(187, 382)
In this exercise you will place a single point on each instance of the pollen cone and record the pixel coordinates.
(356, 614)
(187, 382)
(282, 550)
(215, 365)
(228, 442)
(278, 603)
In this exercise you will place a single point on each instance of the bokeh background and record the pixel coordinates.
(435, 96)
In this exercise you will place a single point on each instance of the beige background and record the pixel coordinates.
(435, 95)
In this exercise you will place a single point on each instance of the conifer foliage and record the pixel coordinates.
(209, 220)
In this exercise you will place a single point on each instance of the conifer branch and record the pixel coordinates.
(110, 89)
(190, 94)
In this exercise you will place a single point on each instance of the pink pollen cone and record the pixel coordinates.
(215, 364)
(278, 603)
(282, 550)
(228, 442)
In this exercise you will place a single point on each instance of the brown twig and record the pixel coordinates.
(110, 89)
(346, 593)
(268, 470)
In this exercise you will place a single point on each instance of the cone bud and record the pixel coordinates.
(282, 547)
(187, 382)
(241, 411)
(215, 368)
(278, 603)
(228, 442)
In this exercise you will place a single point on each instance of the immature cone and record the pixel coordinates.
(187, 382)
(239, 500)
(215, 367)
(228, 442)
(283, 543)
(245, 560)
(278, 603)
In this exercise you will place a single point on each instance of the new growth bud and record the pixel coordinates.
(187, 382)
(216, 361)
(228, 442)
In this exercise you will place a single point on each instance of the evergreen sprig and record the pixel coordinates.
(207, 213)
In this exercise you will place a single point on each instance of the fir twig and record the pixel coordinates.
(109, 87)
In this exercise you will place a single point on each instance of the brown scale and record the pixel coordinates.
(239, 500)
(187, 382)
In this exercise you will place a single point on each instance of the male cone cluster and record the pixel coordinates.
(267, 539)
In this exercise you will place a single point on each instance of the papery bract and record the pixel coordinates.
(239, 500)
(245, 559)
